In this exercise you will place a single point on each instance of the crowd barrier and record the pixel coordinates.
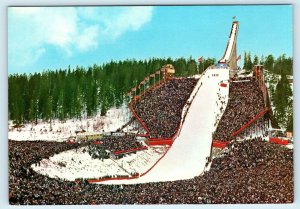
(140, 120)
(160, 142)
(142, 135)
(113, 178)
(97, 142)
(264, 111)
(278, 141)
(219, 144)
(158, 139)
(71, 142)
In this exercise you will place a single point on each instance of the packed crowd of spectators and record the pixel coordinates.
(111, 144)
(119, 143)
(257, 128)
(251, 171)
(241, 78)
(161, 108)
(245, 102)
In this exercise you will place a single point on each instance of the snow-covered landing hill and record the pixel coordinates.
(74, 164)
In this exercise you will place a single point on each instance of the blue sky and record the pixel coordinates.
(55, 37)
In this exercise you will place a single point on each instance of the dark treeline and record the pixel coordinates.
(280, 65)
(73, 93)
(280, 90)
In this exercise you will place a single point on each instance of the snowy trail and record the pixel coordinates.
(187, 156)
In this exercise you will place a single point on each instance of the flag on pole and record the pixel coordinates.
(200, 59)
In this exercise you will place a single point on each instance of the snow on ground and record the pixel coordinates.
(271, 80)
(61, 131)
(74, 164)
(77, 165)
(187, 156)
(142, 160)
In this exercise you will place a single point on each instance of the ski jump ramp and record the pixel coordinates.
(230, 54)
(187, 156)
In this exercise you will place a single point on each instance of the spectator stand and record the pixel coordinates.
(169, 141)
(168, 74)
(259, 115)
(266, 112)
(167, 71)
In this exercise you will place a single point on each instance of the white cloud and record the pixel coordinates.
(117, 21)
(88, 38)
(69, 29)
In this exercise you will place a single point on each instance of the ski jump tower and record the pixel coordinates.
(230, 56)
